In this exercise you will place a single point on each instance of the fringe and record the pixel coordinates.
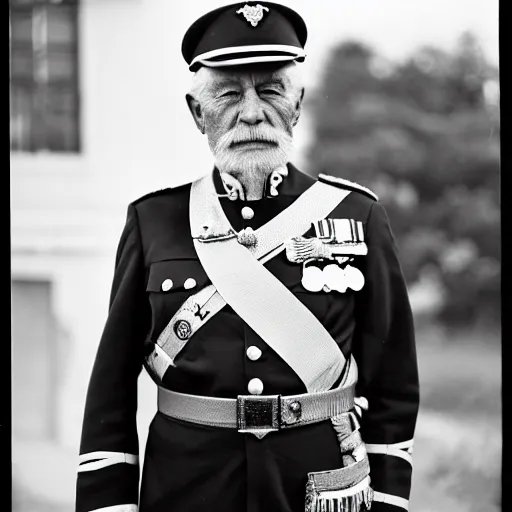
(328, 501)
(347, 489)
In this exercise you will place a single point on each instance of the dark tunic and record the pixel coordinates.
(190, 468)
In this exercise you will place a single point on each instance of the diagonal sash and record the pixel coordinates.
(202, 306)
(257, 296)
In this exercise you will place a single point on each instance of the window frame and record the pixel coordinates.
(39, 87)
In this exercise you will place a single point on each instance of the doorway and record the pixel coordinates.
(34, 361)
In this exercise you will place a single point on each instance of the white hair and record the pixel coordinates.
(203, 76)
(199, 82)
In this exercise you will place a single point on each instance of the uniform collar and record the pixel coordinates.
(294, 184)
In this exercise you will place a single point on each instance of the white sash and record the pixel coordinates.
(257, 296)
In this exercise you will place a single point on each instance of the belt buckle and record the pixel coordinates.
(258, 415)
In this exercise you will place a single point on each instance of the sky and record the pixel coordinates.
(393, 27)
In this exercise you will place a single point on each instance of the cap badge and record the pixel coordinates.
(253, 14)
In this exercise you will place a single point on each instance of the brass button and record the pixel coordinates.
(167, 285)
(255, 387)
(253, 353)
(247, 213)
(189, 283)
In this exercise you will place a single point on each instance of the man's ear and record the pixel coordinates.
(197, 112)
(298, 107)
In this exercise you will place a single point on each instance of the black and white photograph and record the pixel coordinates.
(255, 256)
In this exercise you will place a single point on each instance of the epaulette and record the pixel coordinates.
(342, 183)
(153, 194)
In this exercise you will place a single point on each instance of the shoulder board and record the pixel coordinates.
(342, 183)
(153, 194)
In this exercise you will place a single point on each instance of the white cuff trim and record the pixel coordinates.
(104, 459)
(396, 449)
(361, 402)
(118, 508)
(391, 500)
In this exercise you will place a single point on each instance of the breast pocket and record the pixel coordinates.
(170, 283)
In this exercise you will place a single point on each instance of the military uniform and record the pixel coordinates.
(195, 464)
(189, 467)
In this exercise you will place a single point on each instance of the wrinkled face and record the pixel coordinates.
(248, 116)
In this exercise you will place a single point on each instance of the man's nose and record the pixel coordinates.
(252, 109)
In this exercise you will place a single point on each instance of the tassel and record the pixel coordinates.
(346, 489)
(247, 237)
(339, 501)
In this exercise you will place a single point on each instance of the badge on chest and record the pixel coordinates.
(326, 257)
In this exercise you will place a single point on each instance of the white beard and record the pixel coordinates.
(252, 167)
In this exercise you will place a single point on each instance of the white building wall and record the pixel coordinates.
(67, 211)
(137, 136)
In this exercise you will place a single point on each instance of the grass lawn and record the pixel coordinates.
(457, 455)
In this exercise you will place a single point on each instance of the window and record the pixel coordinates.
(44, 98)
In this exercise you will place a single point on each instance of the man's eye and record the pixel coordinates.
(271, 92)
(229, 93)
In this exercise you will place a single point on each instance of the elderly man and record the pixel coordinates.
(269, 308)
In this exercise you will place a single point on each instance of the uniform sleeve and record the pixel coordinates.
(108, 471)
(385, 350)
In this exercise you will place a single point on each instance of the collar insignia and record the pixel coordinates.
(274, 180)
(253, 14)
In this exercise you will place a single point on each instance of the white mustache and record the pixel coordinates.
(259, 137)
(251, 134)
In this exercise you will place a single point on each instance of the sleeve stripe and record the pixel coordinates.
(389, 449)
(389, 499)
(90, 462)
(404, 444)
(103, 455)
(118, 508)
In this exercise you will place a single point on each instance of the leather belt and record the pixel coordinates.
(257, 414)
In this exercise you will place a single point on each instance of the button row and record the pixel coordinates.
(167, 284)
(255, 386)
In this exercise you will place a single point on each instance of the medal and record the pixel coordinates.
(335, 278)
(312, 279)
(355, 278)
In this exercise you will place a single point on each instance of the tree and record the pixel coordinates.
(424, 135)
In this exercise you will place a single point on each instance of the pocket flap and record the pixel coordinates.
(176, 275)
